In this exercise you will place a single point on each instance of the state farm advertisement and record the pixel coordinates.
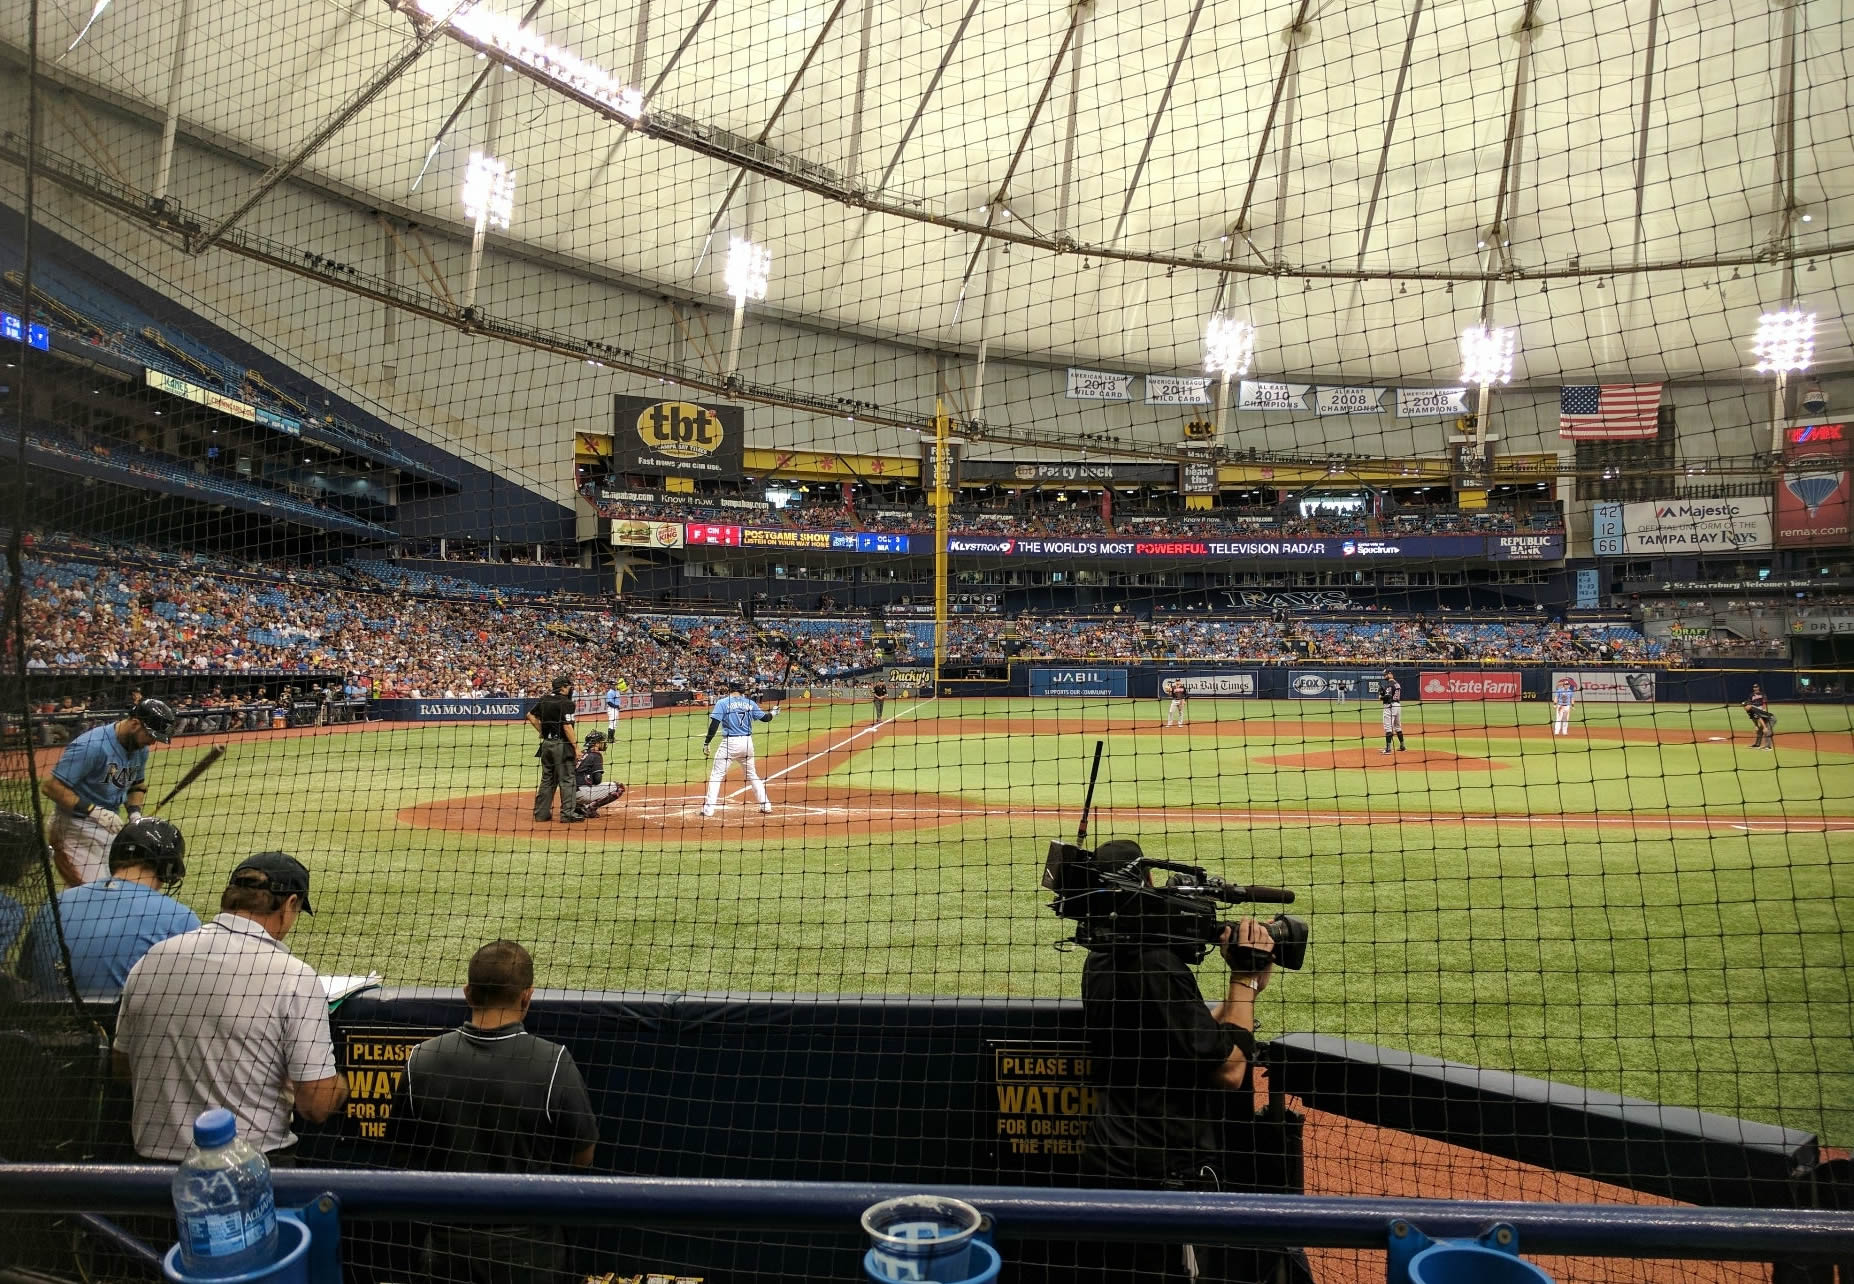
(1469, 686)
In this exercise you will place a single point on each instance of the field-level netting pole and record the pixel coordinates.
(942, 501)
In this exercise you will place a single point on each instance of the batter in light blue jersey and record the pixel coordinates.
(732, 719)
(97, 775)
(1563, 700)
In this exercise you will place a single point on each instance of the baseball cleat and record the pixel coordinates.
(765, 809)
(707, 811)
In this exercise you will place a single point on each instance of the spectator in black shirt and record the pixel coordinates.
(488, 1097)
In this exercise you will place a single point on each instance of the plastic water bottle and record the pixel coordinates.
(223, 1201)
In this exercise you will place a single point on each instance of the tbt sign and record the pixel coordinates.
(676, 438)
(1469, 686)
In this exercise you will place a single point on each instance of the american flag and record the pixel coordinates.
(1610, 412)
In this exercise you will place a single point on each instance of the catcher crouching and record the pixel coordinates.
(592, 789)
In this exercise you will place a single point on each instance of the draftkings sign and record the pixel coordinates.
(672, 438)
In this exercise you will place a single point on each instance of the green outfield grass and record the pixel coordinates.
(1701, 964)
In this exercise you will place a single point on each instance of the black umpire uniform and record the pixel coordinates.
(552, 717)
(878, 693)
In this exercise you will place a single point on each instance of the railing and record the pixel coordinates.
(1607, 1230)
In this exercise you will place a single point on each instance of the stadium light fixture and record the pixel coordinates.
(489, 191)
(1229, 347)
(1487, 355)
(748, 268)
(1785, 342)
(504, 35)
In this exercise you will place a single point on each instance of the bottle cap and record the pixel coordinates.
(214, 1127)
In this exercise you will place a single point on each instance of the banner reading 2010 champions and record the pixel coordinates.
(672, 437)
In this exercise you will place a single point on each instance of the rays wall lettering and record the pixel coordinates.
(1099, 385)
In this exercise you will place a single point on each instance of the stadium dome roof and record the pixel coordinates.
(1373, 174)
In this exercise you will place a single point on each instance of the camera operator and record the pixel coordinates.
(1170, 1070)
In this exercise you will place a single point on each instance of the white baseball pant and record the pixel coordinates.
(1393, 718)
(734, 749)
(1561, 720)
(82, 843)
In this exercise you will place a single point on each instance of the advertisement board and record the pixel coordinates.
(1464, 547)
(633, 533)
(708, 533)
(755, 537)
(1815, 494)
(1608, 686)
(1078, 682)
(1213, 684)
(1333, 684)
(676, 438)
(1472, 685)
(1684, 526)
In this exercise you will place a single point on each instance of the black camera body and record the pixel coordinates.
(1115, 904)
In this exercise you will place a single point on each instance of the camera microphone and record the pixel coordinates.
(1270, 895)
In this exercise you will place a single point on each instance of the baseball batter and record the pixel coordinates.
(593, 789)
(100, 773)
(1563, 700)
(1175, 712)
(1390, 695)
(732, 718)
(614, 701)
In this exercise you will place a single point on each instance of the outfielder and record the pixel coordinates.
(1763, 721)
(733, 717)
(1175, 712)
(593, 789)
(100, 772)
(1390, 695)
(1563, 700)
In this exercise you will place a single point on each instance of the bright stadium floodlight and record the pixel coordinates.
(489, 191)
(748, 267)
(501, 34)
(1229, 347)
(1785, 342)
(1487, 355)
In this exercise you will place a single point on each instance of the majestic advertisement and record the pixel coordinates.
(1608, 686)
(1815, 495)
(1333, 684)
(1213, 684)
(1449, 685)
(1078, 682)
(1681, 526)
(633, 533)
(676, 438)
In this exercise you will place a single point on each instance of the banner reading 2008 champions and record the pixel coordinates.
(673, 437)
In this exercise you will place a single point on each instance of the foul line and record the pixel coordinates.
(828, 750)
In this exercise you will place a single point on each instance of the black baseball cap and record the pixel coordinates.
(278, 872)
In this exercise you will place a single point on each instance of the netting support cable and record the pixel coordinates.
(1638, 238)
(1783, 198)
(176, 82)
(498, 92)
(1158, 116)
(853, 150)
(1071, 130)
(332, 126)
(1390, 130)
(1498, 236)
(476, 86)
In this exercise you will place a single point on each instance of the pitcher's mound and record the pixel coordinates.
(1364, 759)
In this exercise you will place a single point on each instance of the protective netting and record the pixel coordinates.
(1401, 439)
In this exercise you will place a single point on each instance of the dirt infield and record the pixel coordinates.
(1368, 759)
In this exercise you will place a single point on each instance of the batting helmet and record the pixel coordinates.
(157, 716)
(563, 683)
(596, 738)
(736, 685)
(20, 845)
(151, 841)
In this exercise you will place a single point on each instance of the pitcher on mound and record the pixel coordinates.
(732, 718)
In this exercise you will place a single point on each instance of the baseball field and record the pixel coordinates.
(1646, 905)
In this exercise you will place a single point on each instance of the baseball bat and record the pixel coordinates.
(194, 772)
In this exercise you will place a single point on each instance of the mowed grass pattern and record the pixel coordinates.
(1566, 931)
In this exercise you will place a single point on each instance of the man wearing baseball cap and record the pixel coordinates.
(226, 1016)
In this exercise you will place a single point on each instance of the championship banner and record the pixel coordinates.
(676, 438)
(1606, 686)
(1255, 395)
(1431, 403)
(1098, 385)
(1177, 390)
(1214, 685)
(1449, 685)
(632, 533)
(1815, 495)
(1078, 682)
(1348, 401)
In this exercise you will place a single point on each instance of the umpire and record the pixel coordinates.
(552, 718)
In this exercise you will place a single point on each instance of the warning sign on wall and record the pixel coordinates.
(1044, 1099)
(373, 1059)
